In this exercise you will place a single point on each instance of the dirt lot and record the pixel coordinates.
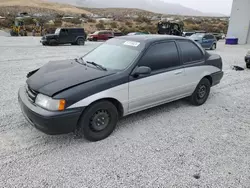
(167, 146)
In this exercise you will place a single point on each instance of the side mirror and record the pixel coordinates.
(141, 71)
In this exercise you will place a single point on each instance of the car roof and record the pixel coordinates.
(149, 38)
(104, 31)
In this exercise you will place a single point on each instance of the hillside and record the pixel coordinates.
(120, 11)
(33, 5)
(157, 6)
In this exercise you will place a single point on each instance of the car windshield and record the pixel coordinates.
(114, 56)
(197, 36)
(57, 32)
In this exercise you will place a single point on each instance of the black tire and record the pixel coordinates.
(248, 65)
(98, 121)
(94, 39)
(201, 93)
(53, 43)
(213, 47)
(80, 41)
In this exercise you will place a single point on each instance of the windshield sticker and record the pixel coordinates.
(131, 43)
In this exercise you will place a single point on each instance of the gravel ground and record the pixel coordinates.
(4, 34)
(174, 145)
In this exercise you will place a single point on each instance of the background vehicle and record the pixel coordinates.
(218, 36)
(170, 28)
(188, 34)
(19, 25)
(206, 40)
(247, 59)
(118, 34)
(74, 36)
(101, 35)
(138, 33)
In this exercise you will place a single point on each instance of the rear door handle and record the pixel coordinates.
(178, 72)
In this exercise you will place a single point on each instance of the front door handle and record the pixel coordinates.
(178, 72)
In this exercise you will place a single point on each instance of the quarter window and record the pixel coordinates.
(190, 52)
(161, 56)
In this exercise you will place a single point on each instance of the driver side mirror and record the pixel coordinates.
(141, 71)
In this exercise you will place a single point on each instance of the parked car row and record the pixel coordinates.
(78, 36)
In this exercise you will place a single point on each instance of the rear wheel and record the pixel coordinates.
(98, 121)
(213, 47)
(201, 93)
(80, 41)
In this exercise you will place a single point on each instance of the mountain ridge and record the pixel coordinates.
(41, 4)
(157, 6)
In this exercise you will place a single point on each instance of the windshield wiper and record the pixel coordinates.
(82, 61)
(97, 65)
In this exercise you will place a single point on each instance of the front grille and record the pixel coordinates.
(31, 94)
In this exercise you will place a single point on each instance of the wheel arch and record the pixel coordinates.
(210, 79)
(114, 101)
(80, 37)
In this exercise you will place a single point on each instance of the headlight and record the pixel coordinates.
(49, 103)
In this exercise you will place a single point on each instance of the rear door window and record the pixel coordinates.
(161, 56)
(190, 52)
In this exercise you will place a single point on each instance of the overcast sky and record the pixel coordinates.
(219, 6)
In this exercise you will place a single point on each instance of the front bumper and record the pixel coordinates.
(43, 41)
(216, 77)
(247, 59)
(49, 122)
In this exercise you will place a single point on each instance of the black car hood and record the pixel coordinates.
(56, 76)
(51, 35)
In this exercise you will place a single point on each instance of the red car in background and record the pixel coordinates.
(101, 35)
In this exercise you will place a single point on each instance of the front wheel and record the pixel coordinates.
(98, 121)
(201, 93)
(53, 42)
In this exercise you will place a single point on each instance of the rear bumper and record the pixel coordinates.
(49, 122)
(216, 77)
